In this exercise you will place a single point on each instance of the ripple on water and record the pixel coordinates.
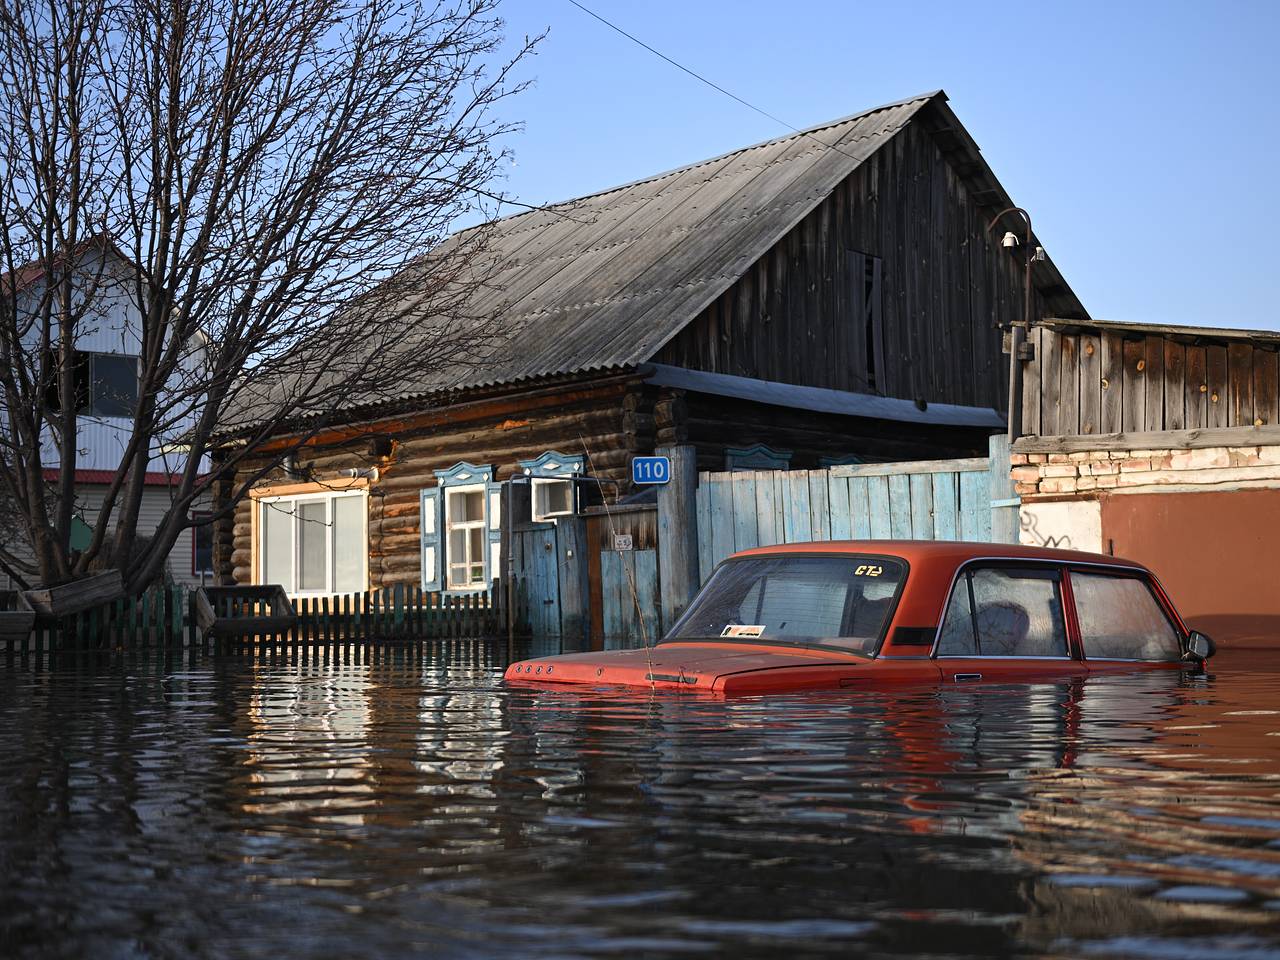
(410, 804)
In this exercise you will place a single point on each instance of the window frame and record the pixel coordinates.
(1065, 599)
(540, 483)
(202, 516)
(872, 654)
(482, 524)
(1148, 580)
(327, 496)
(1075, 644)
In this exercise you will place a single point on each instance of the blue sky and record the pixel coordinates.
(1142, 137)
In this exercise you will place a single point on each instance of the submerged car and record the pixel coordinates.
(849, 614)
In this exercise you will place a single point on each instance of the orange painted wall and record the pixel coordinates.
(1216, 552)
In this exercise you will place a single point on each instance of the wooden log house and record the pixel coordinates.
(833, 296)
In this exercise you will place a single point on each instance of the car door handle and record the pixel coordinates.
(961, 677)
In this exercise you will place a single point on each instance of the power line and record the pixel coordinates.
(712, 84)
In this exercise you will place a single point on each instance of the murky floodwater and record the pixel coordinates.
(413, 806)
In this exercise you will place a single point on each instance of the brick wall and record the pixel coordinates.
(1066, 474)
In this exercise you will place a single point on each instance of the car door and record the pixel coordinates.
(1005, 621)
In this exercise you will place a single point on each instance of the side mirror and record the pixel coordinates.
(1199, 646)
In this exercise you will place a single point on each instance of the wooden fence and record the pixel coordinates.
(164, 618)
(926, 500)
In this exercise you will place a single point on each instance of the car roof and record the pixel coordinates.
(939, 551)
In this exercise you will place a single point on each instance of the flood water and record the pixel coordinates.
(413, 806)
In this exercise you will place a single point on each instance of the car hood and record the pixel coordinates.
(684, 666)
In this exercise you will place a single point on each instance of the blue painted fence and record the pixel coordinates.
(923, 500)
(630, 598)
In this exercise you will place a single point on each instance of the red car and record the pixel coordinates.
(848, 614)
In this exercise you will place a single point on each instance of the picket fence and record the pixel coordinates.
(165, 618)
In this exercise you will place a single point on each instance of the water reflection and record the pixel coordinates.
(406, 803)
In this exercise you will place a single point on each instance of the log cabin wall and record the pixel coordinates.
(713, 424)
(603, 420)
(797, 315)
(1111, 378)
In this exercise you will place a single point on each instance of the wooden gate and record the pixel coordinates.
(535, 552)
(630, 598)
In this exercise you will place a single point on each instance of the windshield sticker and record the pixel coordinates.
(742, 630)
(868, 570)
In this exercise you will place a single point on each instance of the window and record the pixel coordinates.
(201, 546)
(1120, 619)
(315, 543)
(465, 524)
(106, 385)
(1005, 612)
(461, 529)
(552, 498)
(843, 602)
(553, 492)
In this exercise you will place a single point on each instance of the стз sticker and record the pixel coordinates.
(868, 570)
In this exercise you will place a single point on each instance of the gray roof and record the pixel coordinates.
(605, 280)
(602, 282)
(822, 399)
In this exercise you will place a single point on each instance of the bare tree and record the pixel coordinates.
(266, 183)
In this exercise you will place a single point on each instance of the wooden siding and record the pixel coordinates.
(1106, 380)
(795, 316)
(593, 420)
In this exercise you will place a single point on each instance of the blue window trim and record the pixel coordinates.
(461, 474)
(553, 464)
(758, 456)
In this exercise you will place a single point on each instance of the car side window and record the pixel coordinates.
(1005, 612)
(1120, 619)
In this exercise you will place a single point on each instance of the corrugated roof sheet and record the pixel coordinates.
(606, 279)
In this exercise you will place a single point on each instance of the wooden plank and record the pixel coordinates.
(1196, 381)
(819, 508)
(921, 485)
(1111, 385)
(648, 624)
(1175, 394)
(975, 507)
(1240, 384)
(1090, 383)
(945, 496)
(838, 507)
(878, 507)
(1157, 440)
(1050, 371)
(1031, 420)
(1219, 402)
(767, 532)
(706, 560)
(1264, 386)
(860, 507)
(629, 630)
(611, 579)
(1069, 385)
(1001, 492)
(1153, 387)
(900, 507)
(678, 541)
(721, 494)
(745, 530)
(796, 518)
(966, 464)
(1133, 411)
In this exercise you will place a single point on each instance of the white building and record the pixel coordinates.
(107, 349)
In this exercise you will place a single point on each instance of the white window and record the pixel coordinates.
(466, 530)
(552, 498)
(315, 543)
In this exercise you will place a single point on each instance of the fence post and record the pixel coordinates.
(1004, 502)
(678, 533)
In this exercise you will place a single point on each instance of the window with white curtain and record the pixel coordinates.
(314, 543)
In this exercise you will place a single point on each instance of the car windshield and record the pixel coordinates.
(842, 602)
